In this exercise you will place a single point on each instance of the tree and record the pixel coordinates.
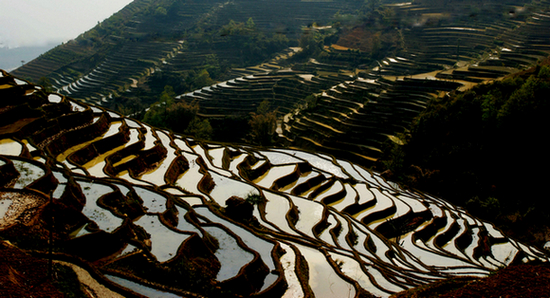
(263, 124)
(250, 24)
(203, 79)
(167, 99)
(46, 84)
(161, 11)
(213, 67)
(200, 129)
(480, 149)
(158, 112)
(180, 115)
(263, 108)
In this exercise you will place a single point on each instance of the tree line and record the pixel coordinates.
(183, 117)
(483, 149)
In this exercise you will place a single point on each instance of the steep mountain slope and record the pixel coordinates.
(157, 211)
(458, 149)
(334, 103)
(146, 34)
(145, 210)
(440, 46)
(373, 70)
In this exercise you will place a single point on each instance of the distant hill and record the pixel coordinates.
(349, 76)
(11, 58)
(146, 34)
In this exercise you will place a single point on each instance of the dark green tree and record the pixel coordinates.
(200, 129)
(263, 124)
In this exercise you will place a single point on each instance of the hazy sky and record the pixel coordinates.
(37, 22)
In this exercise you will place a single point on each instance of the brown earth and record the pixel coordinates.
(524, 280)
(365, 39)
(22, 275)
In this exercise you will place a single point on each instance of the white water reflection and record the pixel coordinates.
(324, 282)
(318, 162)
(263, 247)
(157, 175)
(191, 178)
(182, 145)
(279, 158)
(288, 262)
(28, 173)
(103, 218)
(231, 256)
(164, 242)
(217, 156)
(184, 225)
(504, 252)
(333, 189)
(10, 147)
(125, 175)
(113, 129)
(141, 289)
(302, 179)
(154, 202)
(276, 208)
(350, 267)
(310, 214)
(226, 188)
(348, 167)
(273, 174)
(431, 258)
(77, 107)
(4, 206)
(54, 98)
(383, 202)
(131, 123)
(235, 162)
(149, 138)
(95, 167)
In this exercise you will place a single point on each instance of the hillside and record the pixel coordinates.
(514, 281)
(144, 210)
(433, 54)
(348, 88)
(148, 36)
(108, 171)
(465, 147)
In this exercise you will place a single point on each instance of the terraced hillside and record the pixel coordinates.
(148, 212)
(356, 108)
(149, 34)
(442, 51)
(342, 101)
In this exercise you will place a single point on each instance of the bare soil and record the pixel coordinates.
(524, 280)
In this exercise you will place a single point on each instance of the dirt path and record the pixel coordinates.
(93, 287)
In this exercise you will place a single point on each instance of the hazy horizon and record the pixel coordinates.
(45, 24)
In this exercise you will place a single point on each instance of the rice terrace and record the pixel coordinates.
(289, 148)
